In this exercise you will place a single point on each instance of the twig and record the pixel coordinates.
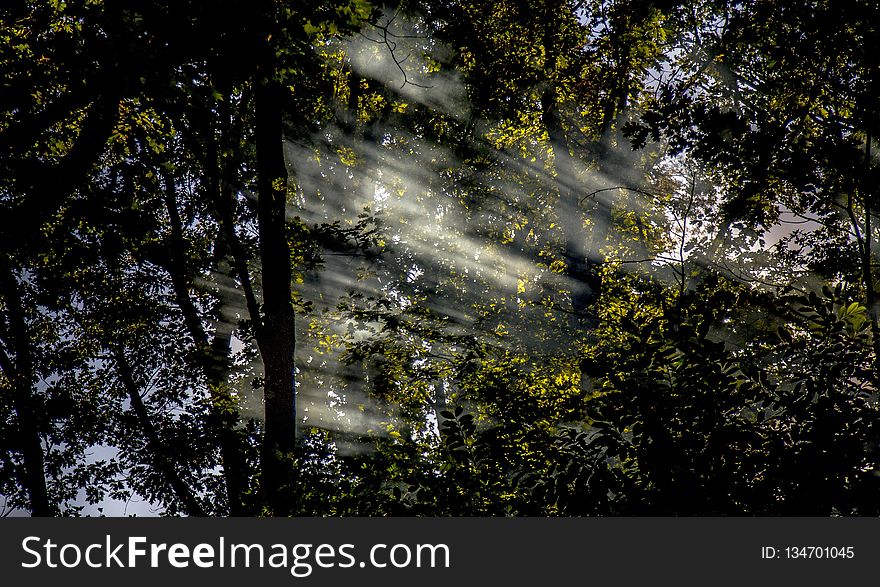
(620, 187)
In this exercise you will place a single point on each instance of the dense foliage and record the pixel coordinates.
(514, 257)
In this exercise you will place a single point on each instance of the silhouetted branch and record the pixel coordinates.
(620, 187)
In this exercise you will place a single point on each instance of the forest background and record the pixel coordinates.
(512, 257)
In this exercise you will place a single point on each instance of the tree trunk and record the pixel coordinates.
(871, 301)
(277, 336)
(213, 356)
(22, 377)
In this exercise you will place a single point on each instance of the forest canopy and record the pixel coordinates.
(505, 257)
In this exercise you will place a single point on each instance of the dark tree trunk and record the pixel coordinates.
(22, 377)
(225, 416)
(277, 336)
(214, 356)
(871, 301)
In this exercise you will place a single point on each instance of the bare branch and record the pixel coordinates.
(620, 187)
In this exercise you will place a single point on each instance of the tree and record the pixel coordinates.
(512, 257)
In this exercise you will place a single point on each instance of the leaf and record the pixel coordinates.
(784, 334)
